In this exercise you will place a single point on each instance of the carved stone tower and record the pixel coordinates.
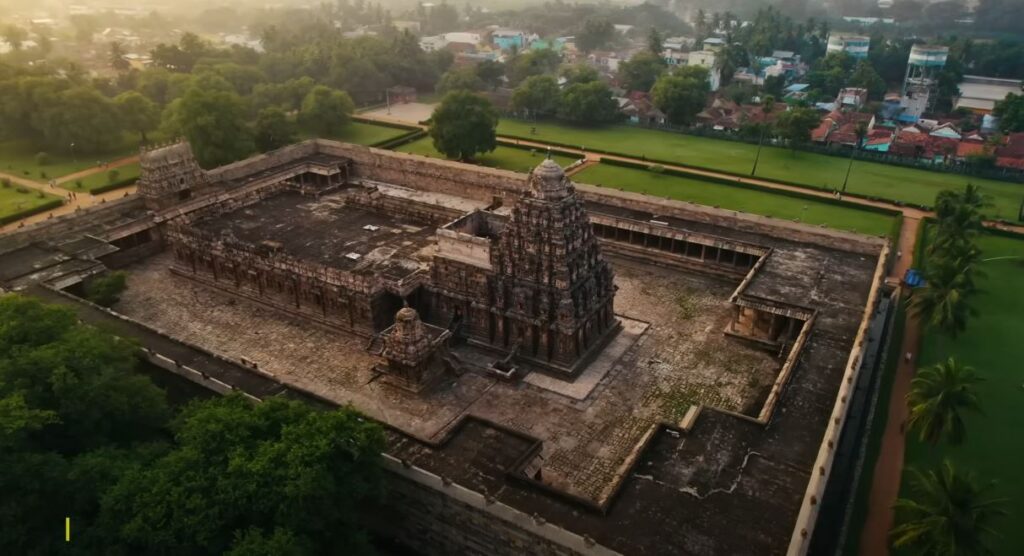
(553, 286)
(413, 350)
(170, 175)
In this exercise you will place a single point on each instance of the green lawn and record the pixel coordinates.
(361, 133)
(12, 202)
(992, 345)
(101, 178)
(737, 198)
(19, 158)
(508, 158)
(867, 178)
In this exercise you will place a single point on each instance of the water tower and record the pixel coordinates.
(923, 67)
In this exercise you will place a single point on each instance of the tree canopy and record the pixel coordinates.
(641, 71)
(1011, 113)
(588, 103)
(464, 125)
(682, 94)
(537, 96)
(214, 121)
(326, 111)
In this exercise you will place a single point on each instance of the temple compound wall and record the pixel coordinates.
(419, 256)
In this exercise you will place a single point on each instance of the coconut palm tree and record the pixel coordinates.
(938, 398)
(948, 515)
(942, 302)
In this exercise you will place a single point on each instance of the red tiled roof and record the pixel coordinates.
(968, 148)
(1006, 162)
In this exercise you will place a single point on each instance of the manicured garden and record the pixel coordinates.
(126, 175)
(362, 133)
(17, 200)
(21, 159)
(737, 198)
(992, 345)
(909, 185)
(508, 158)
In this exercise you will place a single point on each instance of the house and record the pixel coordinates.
(407, 25)
(980, 94)
(714, 44)
(1011, 153)
(725, 115)
(878, 140)
(432, 43)
(508, 39)
(852, 98)
(639, 109)
(706, 58)
(795, 92)
(679, 43)
(840, 128)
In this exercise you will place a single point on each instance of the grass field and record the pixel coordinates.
(992, 345)
(508, 158)
(867, 178)
(736, 198)
(361, 133)
(19, 157)
(12, 202)
(100, 179)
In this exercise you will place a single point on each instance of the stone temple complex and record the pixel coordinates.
(559, 368)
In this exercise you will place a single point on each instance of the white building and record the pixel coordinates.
(854, 45)
(706, 58)
(982, 93)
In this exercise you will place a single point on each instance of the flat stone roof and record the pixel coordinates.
(327, 231)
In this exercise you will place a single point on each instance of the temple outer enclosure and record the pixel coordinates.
(560, 368)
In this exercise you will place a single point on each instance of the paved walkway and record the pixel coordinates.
(81, 200)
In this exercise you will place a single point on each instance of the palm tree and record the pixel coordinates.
(949, 514)
(937, 399)
(861, 131)
(767, 105)
(942, 302)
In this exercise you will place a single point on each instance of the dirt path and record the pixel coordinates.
(97, 169)
(885, 488)
(80, 200)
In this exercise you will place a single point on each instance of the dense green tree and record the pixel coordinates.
(865, 76)
(948, 514)
(214, 121)
(106, 290)
(641, 71)
(286, 96)
(73, 414)
(595, 33)
(82, 120)
(183, 56)
(460, 79)
(464, 125)
(1011, 113)
(273, 129)
(242, 78)
(534, 62)
(138, 113)
(537, 96)
(938, 397)
(655, 42)
(490, 72)
(682, 94)
(579, 73)
(795, 125)
(588, 103)
(326, 111)
(117, 59)
(162, 86)
(246, 476)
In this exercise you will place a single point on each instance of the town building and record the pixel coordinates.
(854, 45)
(980, 94)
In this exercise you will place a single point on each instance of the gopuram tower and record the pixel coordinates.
(552, 285)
